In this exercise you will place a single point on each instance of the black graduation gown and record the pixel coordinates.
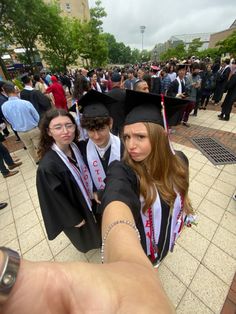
(122, 185)
(63, 205)
(230, 97)
(117, 109)
(40, 102)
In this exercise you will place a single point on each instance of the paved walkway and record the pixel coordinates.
(198, 275)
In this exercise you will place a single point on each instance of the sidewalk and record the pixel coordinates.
(198, 275)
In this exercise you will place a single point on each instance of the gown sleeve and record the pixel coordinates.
(121, 185)
(59, 199)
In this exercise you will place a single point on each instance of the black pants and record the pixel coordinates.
(5, 156)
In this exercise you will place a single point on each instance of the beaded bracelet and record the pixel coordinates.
(127, 222)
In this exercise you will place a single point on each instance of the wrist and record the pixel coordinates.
(9, 266)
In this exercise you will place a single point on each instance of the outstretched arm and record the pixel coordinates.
(126, 283)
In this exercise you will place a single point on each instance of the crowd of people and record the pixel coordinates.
(107, 173)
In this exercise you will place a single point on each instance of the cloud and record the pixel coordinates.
(164, 19)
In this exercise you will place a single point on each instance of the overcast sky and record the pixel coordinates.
(164, 19)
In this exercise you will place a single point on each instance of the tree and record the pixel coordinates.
(177, 52)
(63, 47)
(114, 53)
(212, 53)
(5, 10)
(93, 44)
(228, 45)
(25, 21)
(194, 46)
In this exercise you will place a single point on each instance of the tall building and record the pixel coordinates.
(73, 8)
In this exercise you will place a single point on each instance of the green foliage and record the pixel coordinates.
(118, 53)
(194, 46)
(96, 14)
(177, 52)
(228, 45)
(18, 83)
(212, 53)
(145, 56)
(24, 21)
(93, 46)
(63, 47)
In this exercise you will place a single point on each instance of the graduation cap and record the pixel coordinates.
(25, 78)
(147, 107)
(95, 104)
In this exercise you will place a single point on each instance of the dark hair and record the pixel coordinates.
(195, 66)
(46, 141)
(81, 85)
(227, 61)
(1, 85)
(25, 79)
(9, 88)
(36, 77)
(94, 123)
(130, 70)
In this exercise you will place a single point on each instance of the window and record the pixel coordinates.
(68, 8)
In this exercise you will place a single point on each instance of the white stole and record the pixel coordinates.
(180, 86)
(94, 162)
(98, 88)
(157, 218)
(81, 175)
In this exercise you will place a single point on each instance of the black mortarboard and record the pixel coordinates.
(146, 107)
(95, 104)
(25, 78)
(181, 66)
(142, 107)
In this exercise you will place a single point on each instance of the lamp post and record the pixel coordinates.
(142, 30)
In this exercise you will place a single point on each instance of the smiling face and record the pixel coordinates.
(137, 141)
(62, 130)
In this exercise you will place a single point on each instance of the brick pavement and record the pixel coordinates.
(184, 134)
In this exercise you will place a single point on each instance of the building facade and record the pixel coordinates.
(215, 37)
(73, 8)
(186, 39)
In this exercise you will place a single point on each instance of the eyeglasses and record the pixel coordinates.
(60, 128)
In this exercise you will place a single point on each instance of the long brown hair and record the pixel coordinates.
(46, 141)
(161, 170)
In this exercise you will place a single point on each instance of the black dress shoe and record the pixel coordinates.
(225, 118)
(3, 205)
(220, 116)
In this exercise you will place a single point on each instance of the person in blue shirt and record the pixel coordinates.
(23, 118)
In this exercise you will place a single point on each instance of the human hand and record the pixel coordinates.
(83, 222)
(62, 288)
(95, 195)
